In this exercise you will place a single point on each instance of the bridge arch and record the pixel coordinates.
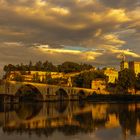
(61, 94)
(29, 91)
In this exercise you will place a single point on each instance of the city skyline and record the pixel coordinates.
(91, 31)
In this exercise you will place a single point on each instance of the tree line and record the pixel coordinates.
(65, 67)
(127, 79)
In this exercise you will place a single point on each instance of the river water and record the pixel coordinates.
(70, 121)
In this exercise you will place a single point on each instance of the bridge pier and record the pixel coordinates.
(47, 97)
(10, 99)
(55, 98)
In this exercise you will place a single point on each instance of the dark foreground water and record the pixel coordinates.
(70, 121)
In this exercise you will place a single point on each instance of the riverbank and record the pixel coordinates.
(94, 98)
(113, 97)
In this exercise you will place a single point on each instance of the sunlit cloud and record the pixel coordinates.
(61, 11)
(127, 52)
(98, 32)
(113, 39)
(46, 48)
(12, 44)
(118, 15)
(41, 3)
(88, 55)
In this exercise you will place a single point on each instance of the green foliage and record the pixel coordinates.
(111, 86)
(85, 67)
(8, 68)
(48, 78)
(126, 79)
(48, 66)
(66, 67)
(56, 81)
(85, 79)
(137, 85)
(18, 77)
(39, 66)
(36, 78)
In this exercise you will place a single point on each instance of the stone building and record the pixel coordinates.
(29, 75)
(112, 74)
(132, 65)
(98, 84)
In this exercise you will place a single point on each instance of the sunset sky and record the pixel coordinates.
(90, 31)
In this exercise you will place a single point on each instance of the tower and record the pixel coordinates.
(124, 64)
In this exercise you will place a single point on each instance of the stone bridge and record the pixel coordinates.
(46, 92)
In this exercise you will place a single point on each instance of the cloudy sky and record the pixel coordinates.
(91, 31)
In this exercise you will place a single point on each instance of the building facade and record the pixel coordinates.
(132, 65)
(98, 84)
(124, 65)
(32, 75)
(112, 74)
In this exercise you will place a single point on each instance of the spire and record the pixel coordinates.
(124, 64)
(123, 57)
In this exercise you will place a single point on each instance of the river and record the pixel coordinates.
(70, 121)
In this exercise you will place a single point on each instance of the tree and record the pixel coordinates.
(36, 77)
(39, 66)
(48, 78)
(126, 79)
(85, 79)
(30, 65)
(85, 67)
(8, 68)
(137, 85)
(68, 67)
(48, 66)
(18, 77)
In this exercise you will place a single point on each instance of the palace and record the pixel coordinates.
(112, 74)
(132, 65)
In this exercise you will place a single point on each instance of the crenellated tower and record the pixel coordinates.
(124, 64)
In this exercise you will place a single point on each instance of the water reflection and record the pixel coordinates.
(71, 118)
(27, 111)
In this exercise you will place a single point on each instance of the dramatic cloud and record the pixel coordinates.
(94, 31)
(84, 55)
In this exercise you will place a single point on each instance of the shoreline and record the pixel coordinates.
(114, 97)
(92, 98)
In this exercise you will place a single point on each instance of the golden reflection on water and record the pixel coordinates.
(70, 118)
